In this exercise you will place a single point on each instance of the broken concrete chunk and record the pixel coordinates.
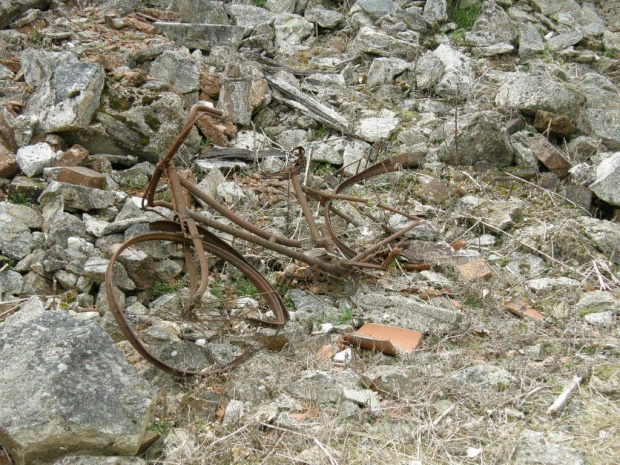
(33, 158)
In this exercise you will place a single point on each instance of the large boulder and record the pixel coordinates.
(531, 93)
(15, 240)
(66, 388)
(68, 90)
(480, 137)
(603, 123)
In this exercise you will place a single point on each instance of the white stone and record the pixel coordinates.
(33, 158)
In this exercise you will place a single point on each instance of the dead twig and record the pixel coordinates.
(567, 394)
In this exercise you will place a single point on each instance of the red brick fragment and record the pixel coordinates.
(387, 339)
(72, 157)
(522, 308)
(8, 166)
(550, 156)
(82, 177)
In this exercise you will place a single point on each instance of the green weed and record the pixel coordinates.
(466, 16)
(161, 287)
(19, 199)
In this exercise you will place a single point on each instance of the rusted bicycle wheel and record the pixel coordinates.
(237, 316)
(377, 204)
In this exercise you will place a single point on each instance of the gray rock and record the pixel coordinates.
(11, 283)
(436, 10)
(562, 41)
(15, 240)
(33, 158)
(535, 448)
(202, 36)
(320, 386)
(63, 226)
(492, 50)
(281, 6)
(376, 126)
(328, 19)
(407, 312)
(606, 186)
(355, 156)
(235, 96)
(13, 9)
(602, 319)
(198, 11)
(481, 137)
(26, 215)
(530, 41)
(485, 376)
(492, 26)
(611, 41)
(606, 379)
(547, 285)
(378, 8)
(68, 95)
(384, 70)
(96, 267)
(178, 69)
(458, 74)
(291, 30)
(428, 71)
(250, 17)
(144, 123)
(85, 460)
(324, 84)
(604, 235)
(330, 150)
(390, 381)
(378, 42)
(78, 197)
(181, 445)
(603, 123)
(77, 393)
(531, 93)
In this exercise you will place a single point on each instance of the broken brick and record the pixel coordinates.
(72, 157)
(477, 269)
(556, 125)
(387, 339)
(522, 309)
(81, 176)
(550, 156)
(8, 166)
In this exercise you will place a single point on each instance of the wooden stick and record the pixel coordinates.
(563, 399)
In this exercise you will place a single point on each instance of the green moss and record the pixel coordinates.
(464, 16)
(144, 140)
(117, 103)
(152, 122)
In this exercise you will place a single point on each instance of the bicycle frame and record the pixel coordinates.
(247, 231)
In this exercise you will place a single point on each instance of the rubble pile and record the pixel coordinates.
(513, 107)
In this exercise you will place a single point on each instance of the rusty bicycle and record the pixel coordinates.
(225, 309)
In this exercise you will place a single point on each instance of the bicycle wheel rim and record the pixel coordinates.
(272, 301)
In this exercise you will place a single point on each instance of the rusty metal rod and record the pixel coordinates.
(335, 269)
(222, 210)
